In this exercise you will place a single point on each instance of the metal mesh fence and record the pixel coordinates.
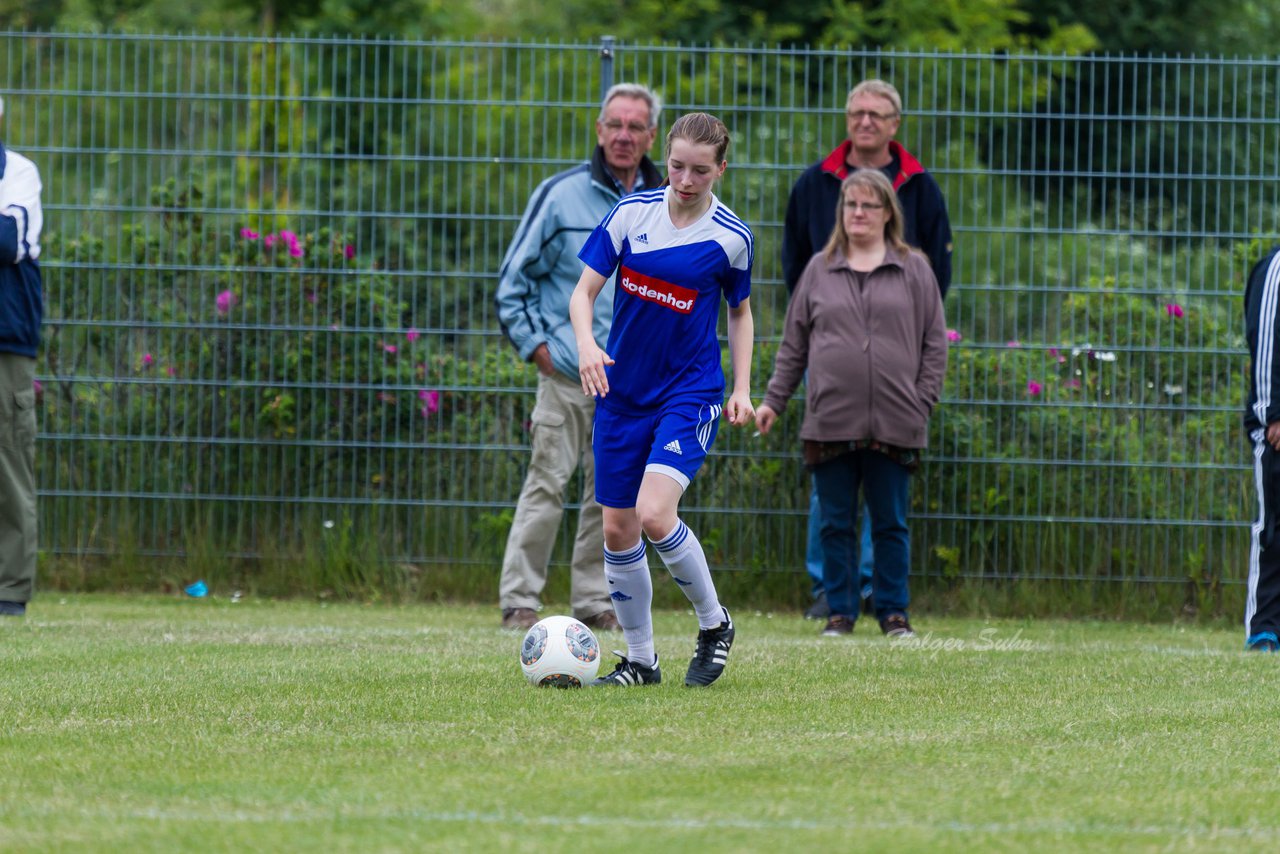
(270, 268)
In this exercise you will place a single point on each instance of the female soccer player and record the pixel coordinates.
(659, 386)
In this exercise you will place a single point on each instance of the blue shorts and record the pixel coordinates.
(673, 440)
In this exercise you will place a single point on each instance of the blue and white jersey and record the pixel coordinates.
(667, 299)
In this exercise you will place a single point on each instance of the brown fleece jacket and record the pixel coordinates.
(875, 355)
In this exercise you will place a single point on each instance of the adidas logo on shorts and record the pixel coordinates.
(674, 447)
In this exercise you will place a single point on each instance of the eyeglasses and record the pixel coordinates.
(869, 207)
(859, 115)
(615, 126)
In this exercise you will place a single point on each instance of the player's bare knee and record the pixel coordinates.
(620, 533)
(657, 520)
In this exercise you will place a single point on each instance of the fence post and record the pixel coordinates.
(606, 65)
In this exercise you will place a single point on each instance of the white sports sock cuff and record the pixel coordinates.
(625, 557)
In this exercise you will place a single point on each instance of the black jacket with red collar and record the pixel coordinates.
(811, 213)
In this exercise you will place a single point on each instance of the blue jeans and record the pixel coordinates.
(813, 547)
(884, 486)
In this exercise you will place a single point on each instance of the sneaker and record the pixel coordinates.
(838, 625)
(1263, 642)
(711, 653)
(628, 674)
(13, 609)
(605, 621)
(897, 626)
(819, 610)
(519, 618)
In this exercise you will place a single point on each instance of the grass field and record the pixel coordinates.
(150, 723)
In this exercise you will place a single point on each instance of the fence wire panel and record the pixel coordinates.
(271, 265)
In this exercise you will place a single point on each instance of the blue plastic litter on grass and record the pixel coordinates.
(197, 590)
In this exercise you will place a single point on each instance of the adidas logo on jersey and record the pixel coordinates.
(642, 237)
(674, 447)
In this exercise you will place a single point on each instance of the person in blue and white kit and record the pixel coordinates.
(659, 385)
(21, 312)
(1262, 423)
(536, 280)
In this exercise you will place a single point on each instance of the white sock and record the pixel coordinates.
(631, 588)
(687, 563)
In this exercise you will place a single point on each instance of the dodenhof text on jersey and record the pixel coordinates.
(655, 290)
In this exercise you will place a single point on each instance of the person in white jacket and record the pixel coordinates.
(536, 280)
(21, 312)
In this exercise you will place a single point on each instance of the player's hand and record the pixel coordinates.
(542, 358)
(765, 418)
(1273, 434)
(739, 409)
(591, 364)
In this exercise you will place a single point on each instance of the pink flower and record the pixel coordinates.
(289, 237)
(1072, 383)
(270, 240)
(295, 250)
(310, 296)
(225, 301)
(171, 371)
(1034, 388)
(349, 251)
(412, 335)
(389, 348)
(38, 386)
(1054, 354)
(1014, 343)
(953, 336)
(432, 400)
(248, 234)
(1173, 310)
(147, 360)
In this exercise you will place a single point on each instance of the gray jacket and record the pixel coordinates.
(875, 356)
(541, 267)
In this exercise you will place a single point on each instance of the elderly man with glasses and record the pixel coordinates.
(535, 282)
(873, 114)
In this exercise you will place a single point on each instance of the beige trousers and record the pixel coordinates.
(562, 419)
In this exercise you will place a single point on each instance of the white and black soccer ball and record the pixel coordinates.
(560, 652)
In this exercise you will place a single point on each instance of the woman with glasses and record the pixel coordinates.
(866, 323)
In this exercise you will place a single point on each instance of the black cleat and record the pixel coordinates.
(628, 674)
(711, 654)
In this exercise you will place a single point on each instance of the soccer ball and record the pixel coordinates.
(559, 652)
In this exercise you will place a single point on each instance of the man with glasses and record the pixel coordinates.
(536, 280)
(873, 114)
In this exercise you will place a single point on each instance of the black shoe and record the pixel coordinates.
(838, 625)
(897, 626)
(819, 610)
(13, 609)
(712, 652)
(628, 674)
